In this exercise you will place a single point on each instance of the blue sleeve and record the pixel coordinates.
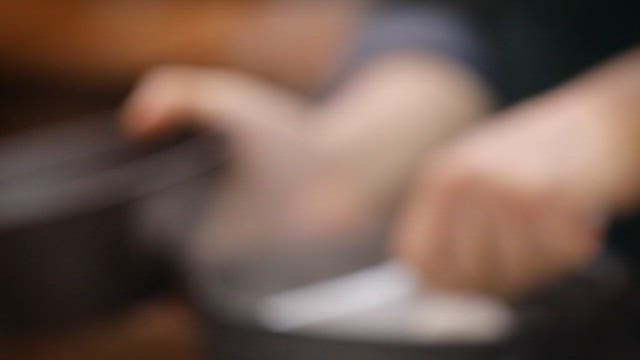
(427, 27)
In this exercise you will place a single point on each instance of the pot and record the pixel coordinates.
(76, 243)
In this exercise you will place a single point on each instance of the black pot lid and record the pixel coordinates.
(85, 164)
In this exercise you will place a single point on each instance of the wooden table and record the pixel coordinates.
(162, 329)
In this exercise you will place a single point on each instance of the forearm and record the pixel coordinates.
(613, 87)
(416, 73)
(609, 97)
(394, 111)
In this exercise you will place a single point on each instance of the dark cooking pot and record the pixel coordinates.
(74, 226)
(346, 301)
(244, 343)
(336, 300)
(590, 315)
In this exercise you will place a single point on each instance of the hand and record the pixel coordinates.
(516, 203)
(266, 197)
(304, 175)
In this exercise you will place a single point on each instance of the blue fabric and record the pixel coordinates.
(430, 28)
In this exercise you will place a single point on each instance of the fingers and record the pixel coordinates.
(421, 235)
(520, 257)
(475, 242)
(470, 230)
(173, 97)
(573, 233)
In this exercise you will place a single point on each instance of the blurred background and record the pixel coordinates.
(63, 60)
(60, 60)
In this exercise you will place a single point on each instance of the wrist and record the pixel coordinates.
(380, 126)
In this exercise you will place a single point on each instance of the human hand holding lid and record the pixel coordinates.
(304, 173)
(521, 201)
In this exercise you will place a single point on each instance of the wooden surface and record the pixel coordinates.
(113, 42)
(163, 329)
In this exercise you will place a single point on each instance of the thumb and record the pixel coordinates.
(240, 106)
